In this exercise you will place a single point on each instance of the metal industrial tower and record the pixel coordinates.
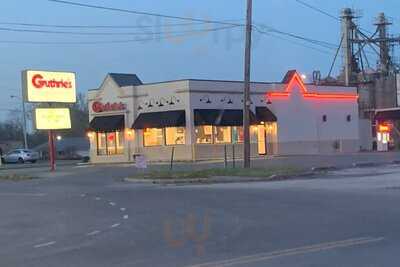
(349, 30)
(356, 58)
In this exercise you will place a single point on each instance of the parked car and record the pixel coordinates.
(20, 156)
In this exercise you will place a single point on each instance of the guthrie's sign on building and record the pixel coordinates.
(46, 86)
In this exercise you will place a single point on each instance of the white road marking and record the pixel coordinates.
(98, 198)
(126, 217)
(22, 194)
(93, 233)
(245, 260)
(115, 225)
(82, 166)
(112, 203)
(45, 244)
(123, 209)
(83, 195)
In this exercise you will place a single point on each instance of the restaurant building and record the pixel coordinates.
(201, 119)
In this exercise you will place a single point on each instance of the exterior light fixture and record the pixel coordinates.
(59, 137)
(129, 134)
(161, 101)
(173, 100)
(225, 100)
(204, 98)
(150, 103)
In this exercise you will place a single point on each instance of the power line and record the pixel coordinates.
(115, 41)
(299, 44)
(104, 33)
(326, 45)
(99, 26)
(318, 10)
(302, 38)
(325, 13)
(144, 13)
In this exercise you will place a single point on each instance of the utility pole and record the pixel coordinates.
(246, 93)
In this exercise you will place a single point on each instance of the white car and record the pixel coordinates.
(21, 156)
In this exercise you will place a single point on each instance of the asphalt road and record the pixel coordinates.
(86, 216)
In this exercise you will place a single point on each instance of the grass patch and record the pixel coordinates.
(220, 172)
(15, 177)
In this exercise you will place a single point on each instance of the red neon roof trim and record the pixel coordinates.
(296, 79)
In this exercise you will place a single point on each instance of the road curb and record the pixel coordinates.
(324, 169)
(221, 180)
(368, 164)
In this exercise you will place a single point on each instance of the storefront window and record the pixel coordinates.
(153, 137)
(110, 143)
(204, 134)
(175, 136)
(101, 144)
(223, 135)
(237, 135)
(120, 142)
(254, 133)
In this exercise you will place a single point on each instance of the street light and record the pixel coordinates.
(24, 120)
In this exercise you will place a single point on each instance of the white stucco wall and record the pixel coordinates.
(301, 125)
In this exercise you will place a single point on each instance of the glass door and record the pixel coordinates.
(262, 148)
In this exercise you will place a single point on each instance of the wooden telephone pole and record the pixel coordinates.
(246, 93)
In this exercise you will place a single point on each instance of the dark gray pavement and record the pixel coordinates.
(87, 216)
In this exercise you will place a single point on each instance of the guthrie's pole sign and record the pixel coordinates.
(48, 86)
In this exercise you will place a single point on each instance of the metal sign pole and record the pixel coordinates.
(51, 151)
